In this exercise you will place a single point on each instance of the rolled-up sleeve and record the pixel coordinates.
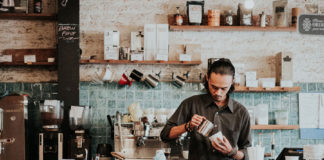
(180, 116)
(244, 140)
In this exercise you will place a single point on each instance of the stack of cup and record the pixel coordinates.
(256, 153)
(214, 17)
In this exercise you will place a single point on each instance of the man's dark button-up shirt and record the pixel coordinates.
(232, 120)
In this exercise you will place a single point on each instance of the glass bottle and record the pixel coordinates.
(229, 18)
(38, 7)
(178, 17)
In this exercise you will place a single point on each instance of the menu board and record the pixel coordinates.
(68, 32)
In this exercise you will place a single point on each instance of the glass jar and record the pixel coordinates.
(229, 18)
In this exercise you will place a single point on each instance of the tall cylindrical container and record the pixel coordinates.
(295, 12)
(214, 17)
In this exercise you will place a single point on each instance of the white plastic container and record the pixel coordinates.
(281, 117)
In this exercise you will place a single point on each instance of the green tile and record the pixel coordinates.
(157, 95)
(157, 104)
(312, 87)
(148, 95)
(111, 94)
(176, 95)
(139, 95)
(112, 86)
(36, 87)
(84, 86)
(2, 87)
(46, 87)
(14, 87)
(111, 104)
(167, 95)
(129, 95)
(84, 95)
(121, 94)
(320, 87)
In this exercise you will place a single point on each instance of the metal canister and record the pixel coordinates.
(205, 127)
(214, 17)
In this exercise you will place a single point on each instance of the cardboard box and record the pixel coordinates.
(267, 82)
(250, 76)
(251, 83)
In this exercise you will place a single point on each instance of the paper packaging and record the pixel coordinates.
(162, 36)
(29, 58)
(185, 57)
(251, 83)
(267, 82)
(111, 38)
(262, 114)
(284, 66)
(136, 57)
(286, 83)
(137, 41)
(161, 57)
(149, 41)
(5, 58)
(250, 76)
(111, 53)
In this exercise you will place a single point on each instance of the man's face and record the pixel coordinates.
(219, 85)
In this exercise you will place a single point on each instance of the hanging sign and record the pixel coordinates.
(311, 24)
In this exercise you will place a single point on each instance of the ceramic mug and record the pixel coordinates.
(136, 75)
(151, 81)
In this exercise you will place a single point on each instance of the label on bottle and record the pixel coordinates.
(38, 7)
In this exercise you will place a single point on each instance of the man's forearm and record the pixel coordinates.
(239, 155)
(176, 131)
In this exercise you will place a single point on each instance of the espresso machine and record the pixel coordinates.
(51, 137)
(13, 122)
(80, 140)
(137, 140)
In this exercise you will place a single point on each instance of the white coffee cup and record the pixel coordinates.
(215, 136)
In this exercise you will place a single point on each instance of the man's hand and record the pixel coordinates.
(222, 146)
(196, 120)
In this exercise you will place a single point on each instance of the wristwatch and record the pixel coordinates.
(233, 152)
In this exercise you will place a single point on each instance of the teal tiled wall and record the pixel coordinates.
(108, 98)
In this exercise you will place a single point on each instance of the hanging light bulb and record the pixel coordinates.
(249, 4)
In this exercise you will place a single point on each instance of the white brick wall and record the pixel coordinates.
(255, 49)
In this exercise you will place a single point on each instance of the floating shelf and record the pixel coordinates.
(27, 64)
(260, 89)
(231, 28)
(30, 16)
(270, 127)
(139, 62)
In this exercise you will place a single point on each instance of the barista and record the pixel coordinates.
(231, 118)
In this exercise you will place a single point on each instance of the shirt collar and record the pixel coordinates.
(208, 99)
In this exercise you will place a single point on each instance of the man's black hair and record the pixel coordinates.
(222, 66)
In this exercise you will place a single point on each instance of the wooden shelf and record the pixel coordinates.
(139, 62)
(30, 16)
(27, 64)
(271, 127)
(260, 89)
(231, 28)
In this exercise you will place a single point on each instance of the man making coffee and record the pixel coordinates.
(228, 116)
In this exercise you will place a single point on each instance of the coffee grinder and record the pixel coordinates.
(80, 140)
(51, 137)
